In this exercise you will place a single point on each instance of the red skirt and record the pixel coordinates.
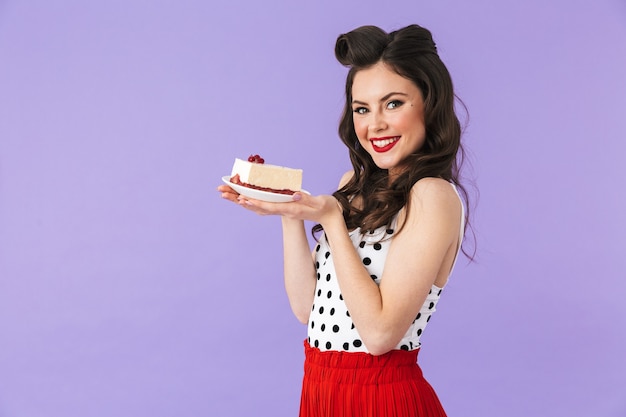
(344, 384)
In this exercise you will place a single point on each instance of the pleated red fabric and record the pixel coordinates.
(344, 384)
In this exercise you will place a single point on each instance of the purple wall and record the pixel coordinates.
(129, 288)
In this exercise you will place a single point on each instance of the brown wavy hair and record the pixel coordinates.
(411, 53)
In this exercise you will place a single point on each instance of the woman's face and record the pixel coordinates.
(388, 114)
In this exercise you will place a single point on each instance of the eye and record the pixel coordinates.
(393, 104)
(360, 110)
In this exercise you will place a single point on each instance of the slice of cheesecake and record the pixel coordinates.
(254, 173)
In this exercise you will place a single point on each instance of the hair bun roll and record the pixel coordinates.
(361, 47)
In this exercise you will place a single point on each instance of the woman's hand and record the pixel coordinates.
(299, 269)
(320, 209)
(228, 193)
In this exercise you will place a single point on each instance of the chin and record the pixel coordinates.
(386, 164)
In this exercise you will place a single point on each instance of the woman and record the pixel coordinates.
(391, 233)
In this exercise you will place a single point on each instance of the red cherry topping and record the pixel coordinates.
(256, 159)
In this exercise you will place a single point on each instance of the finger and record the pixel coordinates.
(303, 198)
(264, 207)
(228, 193)
(230, 197)
(225, 189)
(255, 206)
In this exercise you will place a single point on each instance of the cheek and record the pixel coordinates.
(407, 120)
(360, 128)
(412, 123)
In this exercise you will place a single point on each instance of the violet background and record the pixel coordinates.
(129, 288)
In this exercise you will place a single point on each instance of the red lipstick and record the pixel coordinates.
(384, 144)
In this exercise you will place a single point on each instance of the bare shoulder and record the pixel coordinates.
(345, 178)
(436, 195)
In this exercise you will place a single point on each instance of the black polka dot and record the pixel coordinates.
(316, 343)
(332, 311)
(328, 345)
(323, 327)
(428, 319)
(418, 316)
(377, 246)
(430, 291)
(318, 276)
(390, 231)
(367, 261)
(335, 328)
(352, 326)
(341, 297)
(431, 305)
(439, 293)
(321, 310)
(362, 244)
(419, 332)
(404, 347)
(317, 265)
(357, 343)
(317, 248)
(329, 294)
(346, 346)
(312, 324)
(347, 313)
(313, 308)
(326, 255)
(374, 277)
(328, 277)
(319, 292)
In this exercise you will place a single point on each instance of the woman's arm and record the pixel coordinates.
(418, 256)
(299, 269)
(300, 272)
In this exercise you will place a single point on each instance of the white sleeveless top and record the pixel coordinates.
(330, 326)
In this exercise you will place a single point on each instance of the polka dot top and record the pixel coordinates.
(330, 326)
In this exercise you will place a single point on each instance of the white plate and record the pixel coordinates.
(258, 194)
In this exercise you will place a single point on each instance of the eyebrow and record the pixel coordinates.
(384, 98)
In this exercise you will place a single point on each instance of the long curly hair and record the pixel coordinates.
(411, 53)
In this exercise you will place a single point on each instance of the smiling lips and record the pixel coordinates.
(384, 144)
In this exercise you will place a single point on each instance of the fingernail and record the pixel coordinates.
(297, 197)
(244, 202)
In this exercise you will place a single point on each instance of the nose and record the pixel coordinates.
(378, 122)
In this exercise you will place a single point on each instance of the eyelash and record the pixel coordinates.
(396, 104)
